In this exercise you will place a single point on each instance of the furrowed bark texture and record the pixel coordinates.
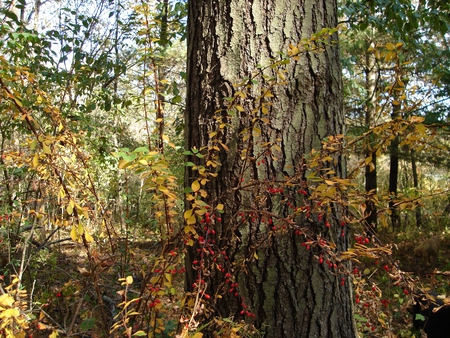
(282, 283)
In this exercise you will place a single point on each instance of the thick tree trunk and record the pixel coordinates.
(255, 262)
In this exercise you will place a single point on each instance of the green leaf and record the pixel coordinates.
(176, 99)
(118, 154)
(420, 317)
(87, 324)
(130, 158)
(11, 15)
(107, 105)
(141, 150)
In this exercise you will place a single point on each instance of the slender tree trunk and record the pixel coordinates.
(418, 209)
(371, 168)
(159, 75)
(254, 258)
(393, 171)
(37, 12)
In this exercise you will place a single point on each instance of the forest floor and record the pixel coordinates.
(418, 274)
(65, 288)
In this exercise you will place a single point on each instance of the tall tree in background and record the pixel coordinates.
(255, 258)
(371, 79)
(421, 28)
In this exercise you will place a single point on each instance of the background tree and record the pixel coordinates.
(258, 246)
(373, 26)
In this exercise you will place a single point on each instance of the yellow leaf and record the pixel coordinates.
(169, 279)
(241, 94)
(6, 300)
(69, 208)
(417, 119)
(219, 207)
(223, 146)
(195, 186)
(18, 102)
(17, 335)
(85, 212)
(122, 164)
(33, 144)
(198, 335)
(129, 280)
(188, 213)
(390, 46)
(293, 50)
(421, 128)
(389, 56)
(46, 149)
(54, 334)
(268, 93)
(35, 162)
(189, 229)
(10, 313)
(80, 229)
(163, 188)
(191, 220)
(200, 212)
(88, 237)
(240, 108)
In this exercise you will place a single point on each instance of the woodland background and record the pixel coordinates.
(93, 227)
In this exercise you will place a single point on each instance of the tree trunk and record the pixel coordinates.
(371, 168)
(259, 259)
(418, 210)
(393, 170)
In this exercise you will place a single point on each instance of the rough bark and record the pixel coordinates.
(283, 284)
